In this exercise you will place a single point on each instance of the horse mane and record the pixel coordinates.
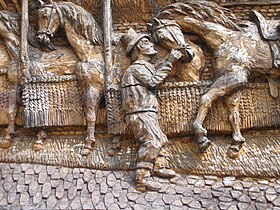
(11, 21)
(200, 10)
(82, 21)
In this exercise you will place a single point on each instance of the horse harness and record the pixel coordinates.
(47, 31)
(184, 48)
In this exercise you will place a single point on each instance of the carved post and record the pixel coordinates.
(107, 28)
(24, 65)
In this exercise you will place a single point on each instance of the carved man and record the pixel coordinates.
(140, 105)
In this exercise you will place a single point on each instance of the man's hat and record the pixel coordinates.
(131, 38)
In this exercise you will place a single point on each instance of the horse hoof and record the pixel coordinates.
(203, 144)
(5, 144)
(90, 142)
(88, 146)
(42, 134)
(37, 147)
(234, 151)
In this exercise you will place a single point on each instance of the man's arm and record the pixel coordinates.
(152, 80)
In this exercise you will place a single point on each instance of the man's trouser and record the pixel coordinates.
(145, 127)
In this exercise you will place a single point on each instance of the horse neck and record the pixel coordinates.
(82, 47)
(9, 33)
(75, 41)
(211, 33)
(12, 42)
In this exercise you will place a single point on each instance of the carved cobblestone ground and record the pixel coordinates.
(27, 186)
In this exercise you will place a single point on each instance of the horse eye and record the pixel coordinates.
(45, 15)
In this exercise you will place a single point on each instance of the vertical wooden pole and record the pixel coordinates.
(108, 55)
(24, 60)
(107, 28)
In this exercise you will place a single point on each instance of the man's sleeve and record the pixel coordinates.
(144, 76)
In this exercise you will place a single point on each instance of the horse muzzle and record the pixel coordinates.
(45, 41)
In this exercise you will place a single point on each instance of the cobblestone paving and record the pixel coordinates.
(27, 186)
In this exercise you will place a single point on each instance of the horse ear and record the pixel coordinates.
(150, 26)
(157, 21)
(46, 1)
(41, 3)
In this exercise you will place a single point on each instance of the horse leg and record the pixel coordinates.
(222, 86)
(12, 111)
(205, 104)
(92, 98)
(232, 103)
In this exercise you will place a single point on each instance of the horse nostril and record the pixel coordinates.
(43, 38)
(40, 37)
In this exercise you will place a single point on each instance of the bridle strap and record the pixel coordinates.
(49, 22)
(184, 48)
(181, 47)
(47, 30)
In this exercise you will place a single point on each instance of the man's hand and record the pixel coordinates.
(175, 55)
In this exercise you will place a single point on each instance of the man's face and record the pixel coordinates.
(146, 47)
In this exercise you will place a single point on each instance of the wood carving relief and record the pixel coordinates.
(85, 38)
(160, 97)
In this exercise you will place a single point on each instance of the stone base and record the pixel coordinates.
(27, 186)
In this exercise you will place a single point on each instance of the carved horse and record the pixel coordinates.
(10, 34)
(238, 50)
(85, 38)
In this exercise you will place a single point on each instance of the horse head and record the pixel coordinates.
(48, 23)
(169, 35)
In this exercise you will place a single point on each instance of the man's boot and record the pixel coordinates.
(162, 168)
(144, 181)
